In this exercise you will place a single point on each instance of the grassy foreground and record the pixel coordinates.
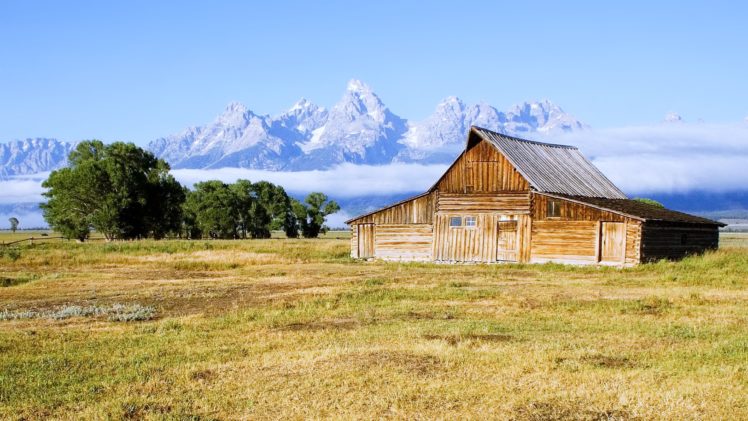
(295, 329)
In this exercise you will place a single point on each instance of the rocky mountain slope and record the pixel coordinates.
(358, 129)
(32, 156)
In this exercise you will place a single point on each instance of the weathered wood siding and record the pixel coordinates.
(633, 242)
(575, 235)
(408, 242)
(612, 242)
(564, 241)
(524, 227)
(366, 241)
(571, 211)
(662, 240)
(415, 211)
(354, 241)
(505, 203)
(480, 243)
(482, 169)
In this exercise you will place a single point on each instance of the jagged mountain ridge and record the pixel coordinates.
(32, 156)
(358, 129)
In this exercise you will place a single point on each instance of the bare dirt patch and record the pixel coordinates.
(330, 324)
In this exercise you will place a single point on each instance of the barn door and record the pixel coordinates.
(612, 241)
(365, 241)
(506, 247)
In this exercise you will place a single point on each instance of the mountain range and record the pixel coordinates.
(358, 129)
(32, 156)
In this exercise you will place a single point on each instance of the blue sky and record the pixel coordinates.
(137, 70)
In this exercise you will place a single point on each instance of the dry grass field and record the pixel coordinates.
(295, 329)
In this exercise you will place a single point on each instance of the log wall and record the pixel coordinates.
(354, 241)
(411, 242)
(574, 236)
(564, 241)
(571, 211)
(505, 203)
(633, 242)
(661, 240)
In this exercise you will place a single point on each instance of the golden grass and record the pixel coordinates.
(295, 329)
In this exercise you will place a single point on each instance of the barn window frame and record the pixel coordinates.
(455, 221)
(553, 209)
(470, 222)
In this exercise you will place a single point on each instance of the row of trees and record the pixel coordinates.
(125, 192)
(251, 210)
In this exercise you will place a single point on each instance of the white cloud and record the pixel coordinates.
(347, 180)
(22, 189)
(668, 158)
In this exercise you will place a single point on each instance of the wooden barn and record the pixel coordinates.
(512, 200)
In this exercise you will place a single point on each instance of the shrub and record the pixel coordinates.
(115, 313)
(10, 253)
(131, 313)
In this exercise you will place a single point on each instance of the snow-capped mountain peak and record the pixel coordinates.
(359, 100)
(355, 85)
(31, 156)
(235, 114)
(358, 129)
(443, 132)
(301, 104)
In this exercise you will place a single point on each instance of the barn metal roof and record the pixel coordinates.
(552, 168)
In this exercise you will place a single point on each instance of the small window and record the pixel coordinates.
(683, 239)
(469, 221)
(455, 221)
(554, 209)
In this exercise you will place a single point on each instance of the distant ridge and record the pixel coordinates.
(358, 129)
(32, 156)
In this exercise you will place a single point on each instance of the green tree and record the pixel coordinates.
(311, 214)
(213, 208)
(277, 203)
(649, 202)
(254, 217)
(120, 190)
(166, 197)
(189, 228)
(13, 223)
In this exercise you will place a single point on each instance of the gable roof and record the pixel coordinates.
(636, 209)
(551, 168)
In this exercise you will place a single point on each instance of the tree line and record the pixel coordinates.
(125, 192)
